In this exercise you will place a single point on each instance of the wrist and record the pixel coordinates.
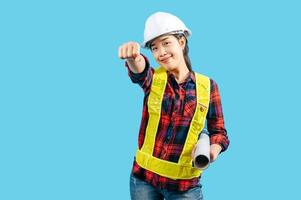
(216, 147)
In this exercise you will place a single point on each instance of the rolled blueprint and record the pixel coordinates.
(201, 157)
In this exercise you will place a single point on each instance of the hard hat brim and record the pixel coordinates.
(143, 44)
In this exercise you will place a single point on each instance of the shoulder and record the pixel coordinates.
(213, 84)
(203, 77)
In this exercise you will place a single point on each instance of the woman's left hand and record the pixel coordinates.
(215, 150)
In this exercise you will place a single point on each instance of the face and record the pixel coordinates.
(168, 51)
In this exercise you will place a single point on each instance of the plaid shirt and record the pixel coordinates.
(178, 106)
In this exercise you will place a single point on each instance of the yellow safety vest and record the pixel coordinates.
(144, 156)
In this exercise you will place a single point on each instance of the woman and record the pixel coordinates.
(178, 104)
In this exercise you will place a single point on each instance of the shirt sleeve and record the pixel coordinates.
(215, 119)
(143, 79)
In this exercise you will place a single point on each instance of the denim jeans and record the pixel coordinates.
(141, 190)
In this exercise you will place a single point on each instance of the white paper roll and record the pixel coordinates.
(201, 157)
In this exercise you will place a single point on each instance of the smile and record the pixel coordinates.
(166, 60)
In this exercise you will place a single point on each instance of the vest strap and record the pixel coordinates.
(166, 168)
(154, 109)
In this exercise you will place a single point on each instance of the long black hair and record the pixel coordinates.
(185, 51)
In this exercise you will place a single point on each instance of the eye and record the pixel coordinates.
(154, 48)
(166, 43)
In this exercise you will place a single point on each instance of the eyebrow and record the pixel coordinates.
(165, 38)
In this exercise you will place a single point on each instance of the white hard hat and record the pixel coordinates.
(161, 23)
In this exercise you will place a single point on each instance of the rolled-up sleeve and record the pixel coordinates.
(215, 119)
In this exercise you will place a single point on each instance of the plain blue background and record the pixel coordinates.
(69, 114)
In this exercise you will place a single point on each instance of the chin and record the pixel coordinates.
(169, 67)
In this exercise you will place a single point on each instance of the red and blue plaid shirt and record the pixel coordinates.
(178, 106)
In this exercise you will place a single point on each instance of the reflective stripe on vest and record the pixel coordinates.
(144, 157)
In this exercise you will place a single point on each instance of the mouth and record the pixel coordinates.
(166, 60)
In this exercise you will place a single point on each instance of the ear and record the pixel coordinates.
(182, 42)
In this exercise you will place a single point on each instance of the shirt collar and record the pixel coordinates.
(190, 77)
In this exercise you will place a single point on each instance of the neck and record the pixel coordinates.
(180, 73)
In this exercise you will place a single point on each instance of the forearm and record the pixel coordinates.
(136, 65)
(215, 119)
(218, 135)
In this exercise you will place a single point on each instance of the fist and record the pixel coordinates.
(215, 150)
(130, 51)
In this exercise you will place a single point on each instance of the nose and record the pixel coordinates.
(162, 52)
